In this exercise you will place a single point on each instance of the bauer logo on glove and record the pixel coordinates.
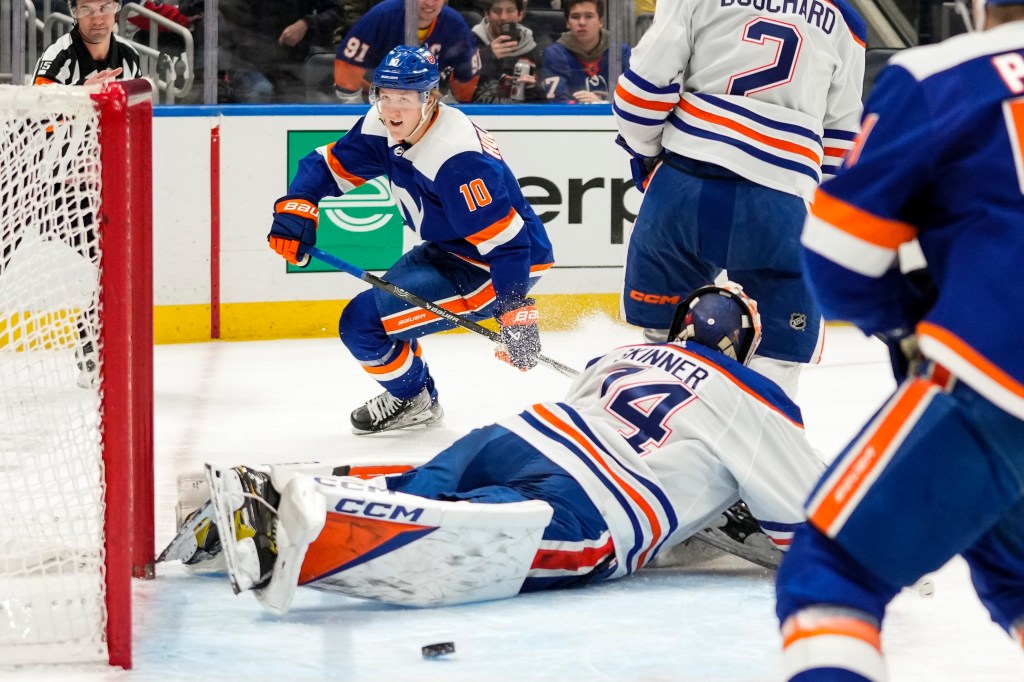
(520, 338)
(294, 229)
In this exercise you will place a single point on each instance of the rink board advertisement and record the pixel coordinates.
(568, 166)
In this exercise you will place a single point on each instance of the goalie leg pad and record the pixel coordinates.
(404, 549)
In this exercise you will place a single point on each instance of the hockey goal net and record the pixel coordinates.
(75, 369)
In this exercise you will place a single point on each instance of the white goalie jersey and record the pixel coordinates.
(770, 89)
(662, 437)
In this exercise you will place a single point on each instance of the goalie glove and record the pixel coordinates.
(520, 338)
(294, 228)
(641, 167)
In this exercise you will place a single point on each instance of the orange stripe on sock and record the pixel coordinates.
(391, 366)
(843, 627)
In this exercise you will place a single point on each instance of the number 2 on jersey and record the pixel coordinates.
(787, 41)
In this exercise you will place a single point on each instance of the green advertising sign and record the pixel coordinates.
(364, 227)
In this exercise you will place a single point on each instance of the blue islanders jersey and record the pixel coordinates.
(940, 158)
(564, 73)
(769, 90)
(452, 187)
(383, 28)
(662, 437)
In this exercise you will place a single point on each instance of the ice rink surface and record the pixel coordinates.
(709, 621)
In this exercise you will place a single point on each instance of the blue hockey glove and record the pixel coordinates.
(294, 228)
(520, 338)
(641, 167)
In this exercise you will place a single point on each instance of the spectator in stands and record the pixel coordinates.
(351, 12)
(576, 66)
(264, 44)
(441, 29)
(505, 46)
(90, 54)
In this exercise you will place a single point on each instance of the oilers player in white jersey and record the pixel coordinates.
(747, 104)
(938, 471)
(483, 248)
(651, 444)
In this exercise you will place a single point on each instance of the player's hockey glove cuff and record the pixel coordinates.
(641, 167)
(294, 228)
(520, 338)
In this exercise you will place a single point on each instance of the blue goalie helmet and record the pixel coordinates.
(722, 318)
(407, 68)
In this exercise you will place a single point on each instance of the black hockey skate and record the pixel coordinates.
(386, 412)
(246, 504)
(737, 532)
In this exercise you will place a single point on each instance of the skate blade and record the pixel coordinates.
(240, 555)
(767, 558)
(186, 543)
(424, 418)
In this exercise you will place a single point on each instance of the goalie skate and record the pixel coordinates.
(245, 509)
(197, 543)
(738, 533)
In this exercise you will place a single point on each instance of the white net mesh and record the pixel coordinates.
(51, 468)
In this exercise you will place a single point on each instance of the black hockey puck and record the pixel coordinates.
(440, 649)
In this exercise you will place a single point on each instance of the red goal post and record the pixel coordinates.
(76, 386)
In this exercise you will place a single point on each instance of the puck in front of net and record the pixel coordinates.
(440, 649)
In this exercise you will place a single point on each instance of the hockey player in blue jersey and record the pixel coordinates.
(938, 471)
(442, 30)
(652, 443)
(747, 106)
(483, 248)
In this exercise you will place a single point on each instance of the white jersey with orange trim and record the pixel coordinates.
(663, 437)
(769, 89)
(453, 188)
(941, 159)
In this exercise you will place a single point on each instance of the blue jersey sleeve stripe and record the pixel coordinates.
(757, 153)
(643, 84)
(839, 134)
(633, 118)
(757, 118)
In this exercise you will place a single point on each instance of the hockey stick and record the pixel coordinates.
(429, 306)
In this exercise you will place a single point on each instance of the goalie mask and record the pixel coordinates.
(720, 317)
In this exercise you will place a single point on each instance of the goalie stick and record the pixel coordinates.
(420, 302)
